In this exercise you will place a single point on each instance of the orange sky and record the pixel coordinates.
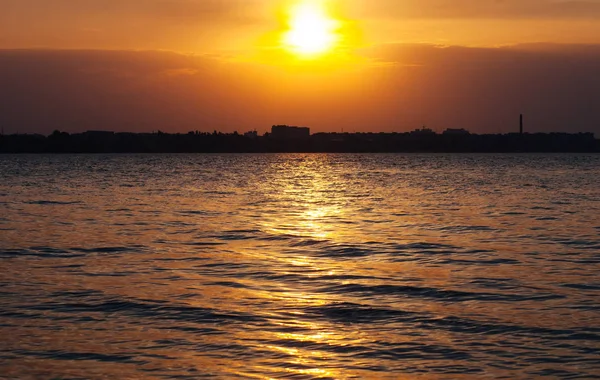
(390, 65)
(208, 26)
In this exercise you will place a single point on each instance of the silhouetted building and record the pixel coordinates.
(297, 140)
(99, 133)
(457, 132)
(285, 132)
(251, 134)
(423, 131)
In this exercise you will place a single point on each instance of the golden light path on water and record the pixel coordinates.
(309, 194)
(302, 266)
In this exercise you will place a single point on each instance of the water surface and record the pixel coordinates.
(300, 266)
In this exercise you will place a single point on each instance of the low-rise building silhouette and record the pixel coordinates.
(251, 134)
(457, 132)
(99, 133)
(423, 131)
(286, 132)
(286, 139)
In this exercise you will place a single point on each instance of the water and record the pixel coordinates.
(300, 266)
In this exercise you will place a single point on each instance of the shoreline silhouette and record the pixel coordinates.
(284, 139)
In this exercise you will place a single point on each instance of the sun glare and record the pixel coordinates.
(311, 30)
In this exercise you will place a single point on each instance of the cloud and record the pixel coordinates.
(117, 90)
(556, 85)
(480, 9)
(184, 25)
(406, 86)
(205, 11)
(215, 25)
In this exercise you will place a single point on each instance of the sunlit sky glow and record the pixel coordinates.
(330, 64)
(214, 25)
(312, 31)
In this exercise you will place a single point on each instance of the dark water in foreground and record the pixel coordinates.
(300, 266)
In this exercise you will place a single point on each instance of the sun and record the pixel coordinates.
(311, 30)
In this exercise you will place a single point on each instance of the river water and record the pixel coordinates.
(299, 266)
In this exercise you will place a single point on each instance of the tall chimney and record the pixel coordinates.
(521, 130)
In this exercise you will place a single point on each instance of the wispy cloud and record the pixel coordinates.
(481, 89)
(479, 9)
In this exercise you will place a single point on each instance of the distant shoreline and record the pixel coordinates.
(196, 142)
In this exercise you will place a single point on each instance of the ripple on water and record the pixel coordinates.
(300, 266)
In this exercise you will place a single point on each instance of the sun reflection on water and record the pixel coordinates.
(299, 266)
